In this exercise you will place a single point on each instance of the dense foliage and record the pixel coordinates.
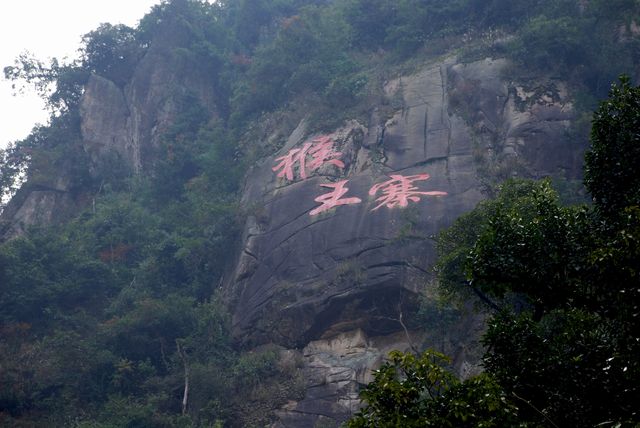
(563, 342)
(410, 391)
(570, 347)
(128, 289)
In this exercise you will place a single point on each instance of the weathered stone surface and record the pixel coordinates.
(300, 274)
(45, 200)
(35, 208)
(326, 283)
(104, 113)
(522, 122)
(131, 121)
(334, 371)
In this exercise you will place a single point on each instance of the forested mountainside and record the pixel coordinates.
(239, 209)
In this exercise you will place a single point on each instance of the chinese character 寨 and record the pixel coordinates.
(399, 191)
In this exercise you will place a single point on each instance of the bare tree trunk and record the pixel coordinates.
(185, 396)
(406, 330)
(404, 327)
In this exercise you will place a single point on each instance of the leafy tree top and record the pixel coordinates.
(611, 165)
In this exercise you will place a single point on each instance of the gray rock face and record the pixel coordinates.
(354, 259)
(519, 128)
(44, 200)
(334, 369)
(105, 112)
(38, 206)
(351, 271)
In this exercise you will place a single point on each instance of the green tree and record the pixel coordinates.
(611, 164)
(56, 146)
(563, 283)
(60, 85)
(45, 276)
(307, 56)
(111, 51)
(419, 391)
(14, 161)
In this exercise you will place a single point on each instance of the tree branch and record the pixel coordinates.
(534, 408)
(484, 297)
(185, 396)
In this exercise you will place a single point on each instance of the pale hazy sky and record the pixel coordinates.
(49, 28)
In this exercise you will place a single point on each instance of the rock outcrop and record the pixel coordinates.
(120, 125)
(44, 200)
(331, 261)
(131, 121)
(38, 205)
(329, 281)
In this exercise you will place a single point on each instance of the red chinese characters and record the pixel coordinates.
(320, 151)
(332, 199)
(398, 191)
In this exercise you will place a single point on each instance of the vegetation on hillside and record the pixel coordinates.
(104, 318)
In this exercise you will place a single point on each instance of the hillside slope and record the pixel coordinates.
(246, 203)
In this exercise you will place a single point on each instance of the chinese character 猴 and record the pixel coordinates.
(321, 152)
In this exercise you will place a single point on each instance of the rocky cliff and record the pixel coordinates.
(339, 239)
(331, 260)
